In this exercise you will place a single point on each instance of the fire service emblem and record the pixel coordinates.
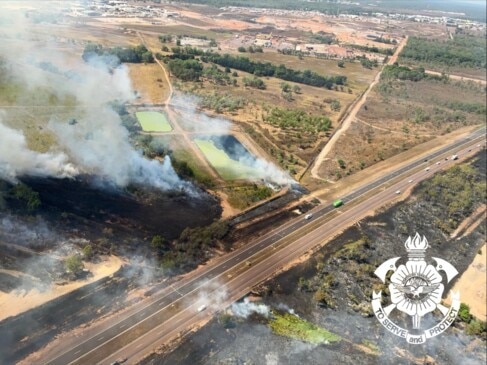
(416, 289)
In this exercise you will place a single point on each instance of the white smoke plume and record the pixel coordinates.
(96, 143)
(195, 121)
(212, 295)
(99, 144)
(16, 159)
(246, 308)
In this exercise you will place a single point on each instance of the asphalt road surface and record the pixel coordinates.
(174, 309)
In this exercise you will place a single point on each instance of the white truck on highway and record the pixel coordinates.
(454, 157)
(201, 308)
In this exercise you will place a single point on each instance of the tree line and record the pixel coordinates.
(373, 49)
(137, 54)
(403, 73)
(306, 77)
(462, 50)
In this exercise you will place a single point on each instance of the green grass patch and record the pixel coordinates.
(227, 168)
(371, 345)
(242, 197)
(200, 173)
(153, 121)
(289, 325)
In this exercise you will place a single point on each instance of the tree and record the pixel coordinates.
(254, 82)
(147, 57)
(87, 251)
(178, 42)
(464, 313)
(285, 87)
(341, 64)
(297, 89)
(287, 96)
(73, 265)
(342, 164)
(335, 105)
(158, 242)
(241, 49)
(29, 196)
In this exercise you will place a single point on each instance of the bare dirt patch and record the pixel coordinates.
(472, 285)
(16, 302)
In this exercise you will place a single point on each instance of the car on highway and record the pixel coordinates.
(201, 308)
(438, 163)
(410, 181)
(398, 191)
(308, 216)
(427, 169)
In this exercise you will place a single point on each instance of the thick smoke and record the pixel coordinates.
(99, 144)
(246, 308)
(96, 143)
(16, 159)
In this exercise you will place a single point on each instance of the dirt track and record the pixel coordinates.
(350, 115)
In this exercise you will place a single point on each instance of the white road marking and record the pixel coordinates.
(77, 352)
(101, 338)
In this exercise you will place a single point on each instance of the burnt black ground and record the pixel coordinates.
(83, 210)
(141, 212)
(252, 342)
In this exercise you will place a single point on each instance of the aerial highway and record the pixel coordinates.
(176, 308)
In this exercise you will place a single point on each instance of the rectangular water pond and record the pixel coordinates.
(228, 157)
(153, 121)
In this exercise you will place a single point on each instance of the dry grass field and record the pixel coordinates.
(291, 148)
(400, 115)
(149, 82)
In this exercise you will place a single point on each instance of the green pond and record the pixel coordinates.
(153, 121)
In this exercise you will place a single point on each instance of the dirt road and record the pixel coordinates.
(457, 77)
(350, 115)
(177, 129)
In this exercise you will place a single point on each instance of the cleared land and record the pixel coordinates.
(153, 121)
(227, 168)
(472, 284)
(149, 82)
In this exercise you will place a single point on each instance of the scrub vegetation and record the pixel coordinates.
(290, 325)
(460, 190)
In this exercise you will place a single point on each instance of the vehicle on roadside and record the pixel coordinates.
(410, 181)
(454, 157)
(427, 169)
(337, 203)
(438, 163)
(308, 216)
(398, 191)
